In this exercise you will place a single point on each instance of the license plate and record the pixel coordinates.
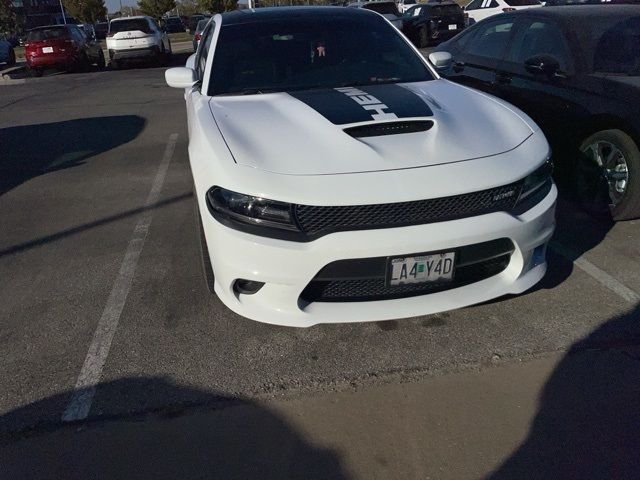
(47, 49)
(421, 269)
(453, 27)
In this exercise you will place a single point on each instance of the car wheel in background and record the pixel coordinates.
(12, 58)
(115, 65)
(618, 158)
(36, 71)
(423, 37)
(101, 63)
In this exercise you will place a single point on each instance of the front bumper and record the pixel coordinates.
(286, 268)
(134, 53)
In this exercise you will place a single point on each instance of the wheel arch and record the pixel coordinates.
(602, 122)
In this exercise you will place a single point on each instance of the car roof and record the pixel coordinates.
(277, 13)
(137, 17)
(581, 12)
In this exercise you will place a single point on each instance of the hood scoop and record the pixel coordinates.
(389, 128)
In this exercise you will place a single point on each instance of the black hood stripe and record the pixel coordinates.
(369, 103)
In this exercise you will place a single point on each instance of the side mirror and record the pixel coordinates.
(180, 77)
(191, 62)
(542, 65)
(441, 60)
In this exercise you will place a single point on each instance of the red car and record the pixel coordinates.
(61, 46)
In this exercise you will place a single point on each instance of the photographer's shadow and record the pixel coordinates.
(227, 438)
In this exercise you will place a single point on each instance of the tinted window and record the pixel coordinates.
(440, 10)
(312, 52)
(522, 3)
(491, 40)
(475, 5)
(617, 49)
(129, 25)
(382, 8)
(203, 49)
(48, 33)
(201, 25)
(414, 11)
(539, 38)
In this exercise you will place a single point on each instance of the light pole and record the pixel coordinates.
(64, 17)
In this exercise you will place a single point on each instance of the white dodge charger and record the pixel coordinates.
(338, 178)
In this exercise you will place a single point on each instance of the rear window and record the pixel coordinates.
(522, 3)
(129, 25)
(48, 33)
(382, 8)
(440, 10)
(174, 20)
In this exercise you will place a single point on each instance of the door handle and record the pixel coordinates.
(458, 66)
(504, 78)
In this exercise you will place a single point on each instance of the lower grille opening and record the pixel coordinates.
(349, 289)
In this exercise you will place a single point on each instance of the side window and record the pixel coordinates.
(491, 40)
(203, 49)
(153, 25)
(539, 37)
(475, 5)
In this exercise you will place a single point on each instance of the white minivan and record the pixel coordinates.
(137, 38)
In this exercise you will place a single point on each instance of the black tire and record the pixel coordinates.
(628, 206)
(37, 71)
(12, 58)
(205, 260)
(101, 63)
(115, 65)
(423, 37)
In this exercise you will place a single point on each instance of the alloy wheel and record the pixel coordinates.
(614, 167)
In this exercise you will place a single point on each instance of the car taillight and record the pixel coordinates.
(508, 9)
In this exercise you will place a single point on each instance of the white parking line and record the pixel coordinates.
(598, 274)
(91, 372)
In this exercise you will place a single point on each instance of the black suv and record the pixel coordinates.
(576, 71)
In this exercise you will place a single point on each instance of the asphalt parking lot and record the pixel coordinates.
(98, 241)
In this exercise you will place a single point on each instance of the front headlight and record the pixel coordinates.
(535, 187)
(240, 210)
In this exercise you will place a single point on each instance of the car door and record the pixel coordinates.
(477, 54)
(194, 96)
(552, 100)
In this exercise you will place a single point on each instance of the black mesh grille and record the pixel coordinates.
(314, 220)
(376, 288)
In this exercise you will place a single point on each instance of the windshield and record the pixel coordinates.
(136, 24)
(383, 8)
(48, 33)
(306, 53)
(616, 46)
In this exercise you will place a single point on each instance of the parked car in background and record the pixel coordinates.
(61, 46)
(388, 10)
(137, 39)
(481, 9)
(173, 25)
(193, 21)
(198, 32)
(7, 54)
(430, 23)
(576, 71)
(88, 30)
(101, 30)
(404, 5)
(558, 3)
(396, 194)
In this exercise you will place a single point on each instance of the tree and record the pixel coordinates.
(8, 19)
(217, 6)
(187, 7)
(156, 8)
(87, 11)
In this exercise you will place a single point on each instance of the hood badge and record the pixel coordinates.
(369, 103)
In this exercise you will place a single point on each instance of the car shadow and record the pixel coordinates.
(588, 421)
(225, 439)
(32, 150)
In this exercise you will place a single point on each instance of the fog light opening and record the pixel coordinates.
(246, 287)
(538, 256)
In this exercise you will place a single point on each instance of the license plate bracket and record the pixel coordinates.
(421, 269)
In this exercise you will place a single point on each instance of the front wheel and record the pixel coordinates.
(618, 158)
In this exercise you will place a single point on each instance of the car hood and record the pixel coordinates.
(303, 132)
